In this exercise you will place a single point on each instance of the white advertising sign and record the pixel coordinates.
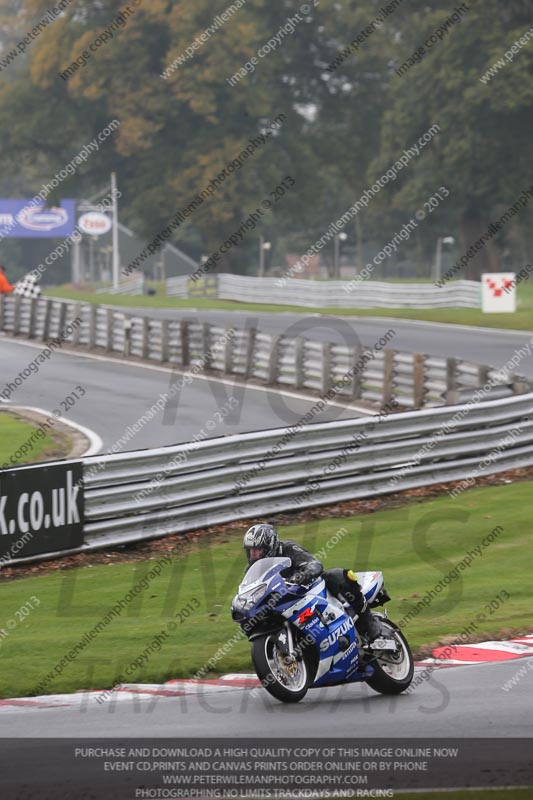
(95, 223)
(498, 292)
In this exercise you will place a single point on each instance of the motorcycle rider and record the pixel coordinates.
(262, 541)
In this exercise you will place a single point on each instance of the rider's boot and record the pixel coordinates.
(369, 626)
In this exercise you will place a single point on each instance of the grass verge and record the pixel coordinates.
(15, 432)
(522, 319)
(416, 546)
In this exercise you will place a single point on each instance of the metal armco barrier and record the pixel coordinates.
(151, 493)
(331, 294)
(414, 380)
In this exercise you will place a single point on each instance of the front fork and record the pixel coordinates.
(290, 640)
(285, 642)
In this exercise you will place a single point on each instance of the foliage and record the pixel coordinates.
(343, 126)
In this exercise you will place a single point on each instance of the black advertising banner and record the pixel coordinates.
(257, 769)
(41, 509)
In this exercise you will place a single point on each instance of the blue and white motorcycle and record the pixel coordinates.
(304, 637)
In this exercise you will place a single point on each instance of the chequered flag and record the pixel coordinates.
(28, 287)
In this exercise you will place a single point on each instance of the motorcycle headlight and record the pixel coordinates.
(236, 614)
(247, 599)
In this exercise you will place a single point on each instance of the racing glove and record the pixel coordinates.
(305, 574)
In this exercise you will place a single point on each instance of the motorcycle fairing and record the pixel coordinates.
(322, 617)
(371, 583)
(315, 612)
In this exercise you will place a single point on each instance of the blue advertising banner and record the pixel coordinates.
(27, 219)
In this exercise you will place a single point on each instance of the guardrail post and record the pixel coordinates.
(299, 366)
(206, 344)
(16, 318)
(520, 384)
(388, 376)
(46, 322)
(273, 360)
(483, 374)
(145, 346)
(419, 380)
(77, 317)
(228, 352)
(249, 354)
(47, 319)
(165, 339)
(127, 335)
(326, 367)
(93, 317)
(452, 395)
(357, 382)
(185, 350)
(33, 318)
(62, 318)
(110, 318)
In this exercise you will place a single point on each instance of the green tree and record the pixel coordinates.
(483, 152)
(345, 119)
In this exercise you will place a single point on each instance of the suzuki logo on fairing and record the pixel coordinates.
(332, 638)
(305, 615)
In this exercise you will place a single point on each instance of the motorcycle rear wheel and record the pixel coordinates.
(393, 672)
(286, 681)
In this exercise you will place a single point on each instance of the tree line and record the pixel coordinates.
(355, 85)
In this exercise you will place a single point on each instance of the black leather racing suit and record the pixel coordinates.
(306, 567)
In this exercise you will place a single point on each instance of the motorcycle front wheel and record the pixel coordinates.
(284, 678)
(393, 672)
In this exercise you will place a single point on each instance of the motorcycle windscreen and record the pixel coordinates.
(260, 568)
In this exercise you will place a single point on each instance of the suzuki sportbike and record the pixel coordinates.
(304, 638)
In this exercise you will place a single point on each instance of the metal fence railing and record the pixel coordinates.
(376, 375)
(170, 490)
(328, 294)
(133, 286)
